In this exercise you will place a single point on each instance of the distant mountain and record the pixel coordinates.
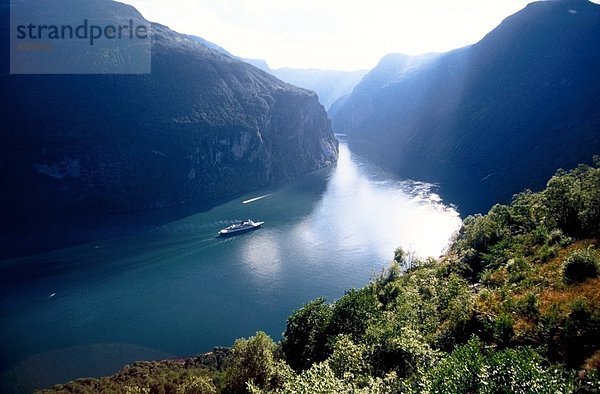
(202, 125)
(330, 85)
(390, 69)
(490, 119)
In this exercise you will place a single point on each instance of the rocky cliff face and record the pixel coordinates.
(488, 120)
(202, 125)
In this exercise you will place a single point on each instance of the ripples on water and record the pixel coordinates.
(178, 290)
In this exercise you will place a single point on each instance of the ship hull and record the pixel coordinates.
(229, 233)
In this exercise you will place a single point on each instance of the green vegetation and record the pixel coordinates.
(579, 266)
(193, 376)
(513, 306)
(254, 363)
(471, 369)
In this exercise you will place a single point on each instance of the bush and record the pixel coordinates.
(557, 237)
(503, 329)
(479, 243)
(579, 266)
(517, 269)
(580, 332)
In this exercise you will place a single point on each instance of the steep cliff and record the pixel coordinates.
(201, 125)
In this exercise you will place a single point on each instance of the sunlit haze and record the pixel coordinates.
(332, 34)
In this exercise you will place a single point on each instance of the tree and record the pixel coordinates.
(353, 312)
(406, 260)
(253, 362)
(305, 338)
(197, 385)
(348, 360)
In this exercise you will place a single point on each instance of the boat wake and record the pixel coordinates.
(255, 199)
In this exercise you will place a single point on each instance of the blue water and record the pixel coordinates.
(177, 290)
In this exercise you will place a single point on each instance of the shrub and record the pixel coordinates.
(580, 332)
(521, 370)
(557, 237)
(503, 329)
(579, 266)
(547, 252)
(406, 260)
(479, 244)
(480, 232)
(573, 201)
(517, 269)
(528, 305)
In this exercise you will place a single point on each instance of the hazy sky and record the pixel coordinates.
(335, 34)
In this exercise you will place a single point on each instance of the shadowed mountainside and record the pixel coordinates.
(487, 120)
(202, 125)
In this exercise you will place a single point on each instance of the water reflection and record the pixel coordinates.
(361, 217)
(262, 256)
(179, 290)
(360, 209)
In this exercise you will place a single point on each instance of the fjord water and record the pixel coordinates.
(177, 290)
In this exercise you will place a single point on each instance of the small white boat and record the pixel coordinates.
(239, 227)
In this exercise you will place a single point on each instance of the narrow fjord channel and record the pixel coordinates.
(178, 290)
